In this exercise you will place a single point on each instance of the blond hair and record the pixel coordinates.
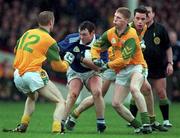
(124, 11)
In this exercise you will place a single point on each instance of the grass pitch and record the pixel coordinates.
(40, 123)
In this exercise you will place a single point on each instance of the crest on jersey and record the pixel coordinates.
(157, 40)
(113, 41)
(76, 49)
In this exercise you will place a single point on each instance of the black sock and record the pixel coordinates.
(165, 111)
(133, 109)
(164, 107)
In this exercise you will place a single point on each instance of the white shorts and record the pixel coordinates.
(30, 81)
(109, 74)
(84, 77)
(124, 76)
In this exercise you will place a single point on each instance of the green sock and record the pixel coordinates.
(132, 101)
(145, 118)
(75, 114)
(135, 123)
(163, 101)
(152, 119)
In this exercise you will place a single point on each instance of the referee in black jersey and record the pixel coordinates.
(158, 55)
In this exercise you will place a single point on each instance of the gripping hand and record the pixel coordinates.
(69, 57)
(142, 44)
(104, 67)
(98, 62)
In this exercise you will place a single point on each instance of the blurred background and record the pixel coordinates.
(17, 16)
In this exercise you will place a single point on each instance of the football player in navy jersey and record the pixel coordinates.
(82, 71)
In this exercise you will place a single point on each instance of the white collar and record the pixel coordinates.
(92, 42)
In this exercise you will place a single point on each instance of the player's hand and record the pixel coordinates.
(69, 57)
(104, 67)
(142, 44)
(98, 62)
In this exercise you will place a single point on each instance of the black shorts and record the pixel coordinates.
(156, 73)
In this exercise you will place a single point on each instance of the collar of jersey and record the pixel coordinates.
(44, 30)
(125, 31)
(89, 44)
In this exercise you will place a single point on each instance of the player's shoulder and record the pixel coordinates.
(72, 38)
(69, 42)
(160, 26)
(111, 30)
(131, 31)
(44, 34)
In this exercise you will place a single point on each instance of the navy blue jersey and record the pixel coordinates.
(71, 43)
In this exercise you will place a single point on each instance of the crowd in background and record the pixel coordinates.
(17, 16)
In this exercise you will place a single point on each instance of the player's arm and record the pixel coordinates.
(128, 52)
(90, 64)
(55, 60)
(101, 45)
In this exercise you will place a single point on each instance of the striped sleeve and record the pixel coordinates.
(102, 44)
(53, 57)
(53, 53)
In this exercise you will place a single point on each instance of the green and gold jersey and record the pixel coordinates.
(124, 49)
(33, 48)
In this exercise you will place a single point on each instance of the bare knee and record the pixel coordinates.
(61, 102)
(96, 93)
(134, 91)
(116, 105)
(73, 96)
(162, 93)
(147, 91)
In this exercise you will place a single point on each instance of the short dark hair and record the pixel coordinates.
(87, 25)
(141, 9)
(152, 7)
(45, 17)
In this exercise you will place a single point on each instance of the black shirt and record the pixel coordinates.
(157, 42)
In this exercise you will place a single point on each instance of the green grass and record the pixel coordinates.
(40, 126)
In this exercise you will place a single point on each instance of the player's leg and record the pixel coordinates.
(23, 86)
(137, 80)
(89, 101)
(95, 86)
(51, 92)
(28, 111)
(108, 76)
(159, 86)
(75, 86)
(148, 95)
(84, 105)
(119, 96)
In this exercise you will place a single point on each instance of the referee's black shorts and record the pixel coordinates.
(156, 73)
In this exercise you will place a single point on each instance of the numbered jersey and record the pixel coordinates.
(33, 48)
